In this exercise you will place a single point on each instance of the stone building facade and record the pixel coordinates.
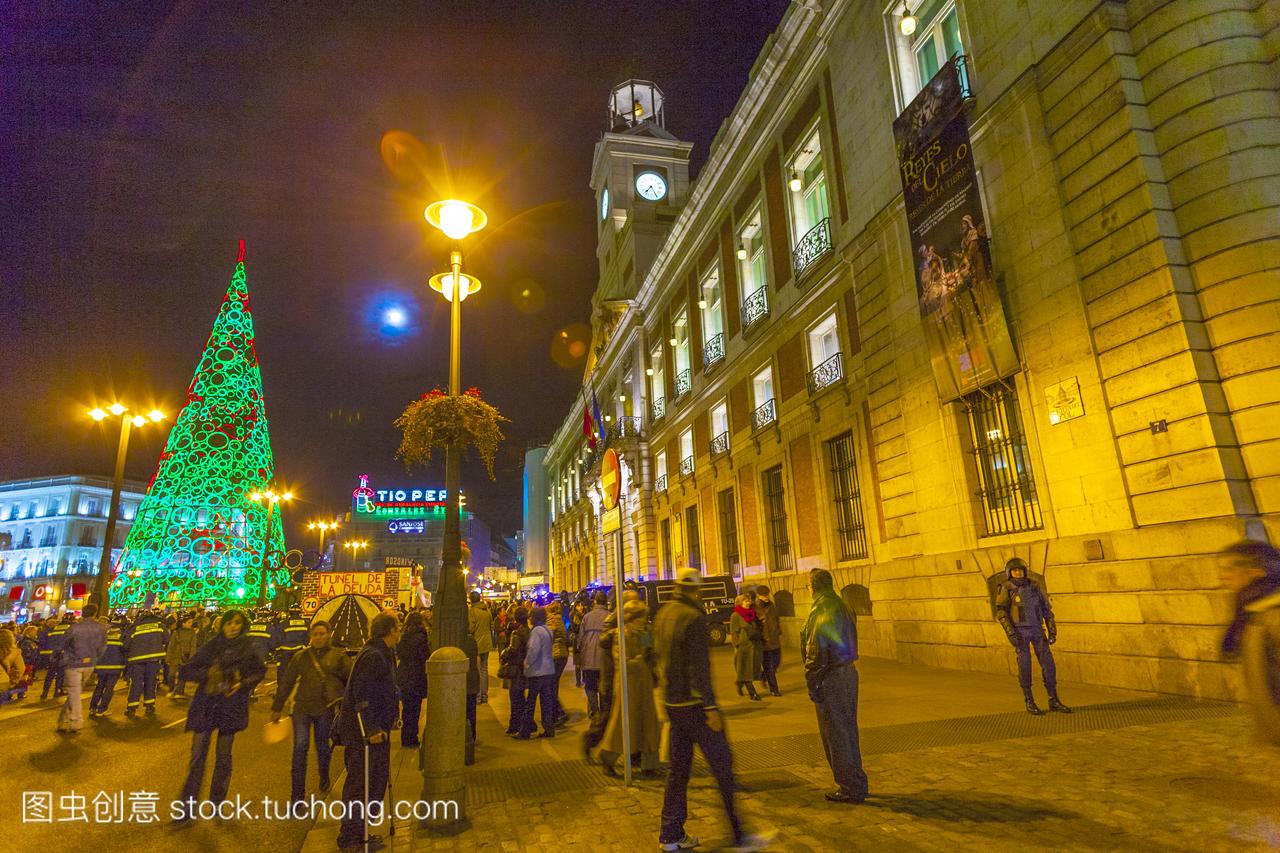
(1126, 154)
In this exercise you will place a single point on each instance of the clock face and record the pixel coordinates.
(604, 204)
(651, 186)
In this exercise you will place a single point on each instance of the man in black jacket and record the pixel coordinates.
(680, 638)
(829, 643)
(369, 711)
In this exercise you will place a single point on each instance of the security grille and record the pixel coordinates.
(1006, 483)
(776, 519)
(850, 526)
(666, 547)
(729, 532)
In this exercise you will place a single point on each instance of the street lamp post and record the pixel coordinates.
(456, 219)
(101, 585)
(322, 526)
(355, 547)
(269, 497)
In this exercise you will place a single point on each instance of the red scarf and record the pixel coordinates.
(746, 613)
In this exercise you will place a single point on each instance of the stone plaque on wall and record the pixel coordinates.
(1064, 401)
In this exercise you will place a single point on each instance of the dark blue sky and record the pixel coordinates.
(141, 143)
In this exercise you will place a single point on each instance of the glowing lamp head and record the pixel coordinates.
(907, 25)
(443, 284)
(139, 420)
(156, 415)
(97, 414)
(742, 253)
(456, 218)
(795, 183)
(287, 496)
(255, 496)
(116, 409)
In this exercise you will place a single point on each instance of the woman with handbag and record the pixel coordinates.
(512, 667)
(748, 645)
(227, 669)
(314, 679)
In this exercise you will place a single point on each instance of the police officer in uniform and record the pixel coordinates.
(110, 667)
(51, 655)
(294, 637)
(262, 640)
(145, 650)
(1024, 612)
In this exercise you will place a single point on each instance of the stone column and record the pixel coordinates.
(443, 744)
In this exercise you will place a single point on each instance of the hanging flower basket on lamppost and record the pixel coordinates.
(438, 420)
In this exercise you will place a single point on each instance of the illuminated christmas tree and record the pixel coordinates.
(197, 537)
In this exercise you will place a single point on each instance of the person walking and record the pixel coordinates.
(771, 636)
(110, 666)
(11, 667)
(51, 653)
(316, 678)
(1251, 570)
(480, 626)
(559, 656)
(576, 613)
(227, 668)
(84, 643)
(539, 669)
(145, 650)
(369, 710)
(589, 643)
(829, 644)
(411, 676)
(1023, 611)
(512, 668)
(642, 719)
(181, 646)
(681, 641)
(748, 642)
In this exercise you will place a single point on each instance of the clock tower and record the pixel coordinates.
(640, 176)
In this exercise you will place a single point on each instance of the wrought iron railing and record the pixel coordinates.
(764, 415)
(627, 426)
(660, 484)
(658, 408)
(720, 444)
(686, 466)
(825, 374)
(962, 72)
(755, 307)
(713, 351)
(684, 381)
(812, 246)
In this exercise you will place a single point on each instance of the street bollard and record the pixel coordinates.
(444, 737)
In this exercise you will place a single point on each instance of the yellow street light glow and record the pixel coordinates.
(456, 218)
(116, 409)
(255, 496)
(97, 414)
(139, 420)
(443, 283)
(156, 415)
(287, 496)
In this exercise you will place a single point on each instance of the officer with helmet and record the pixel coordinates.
(1023, 611)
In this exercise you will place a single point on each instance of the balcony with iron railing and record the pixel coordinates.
(812, 247)
(684, 381)
(764, 415)
(720, 444)
(658, 409)
(826, 374)
(660, 484)
(627, 426)
(686, 466)
(713, 351)
(755, 308)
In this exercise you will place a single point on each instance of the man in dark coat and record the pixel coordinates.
(411, 676)
(227, 668)
(369, 711)
(82, 646)
(829, 644)
(145, 651)
(1023, 611)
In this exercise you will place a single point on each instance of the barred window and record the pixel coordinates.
(1006, 483)
(850, 527)
(666, 547)
(776, 519)
(729, 533)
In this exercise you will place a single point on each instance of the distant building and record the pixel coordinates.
(537, 513)
(51, 533)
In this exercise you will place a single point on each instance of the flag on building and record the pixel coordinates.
(595, 414)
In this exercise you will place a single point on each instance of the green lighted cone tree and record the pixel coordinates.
(197, 537)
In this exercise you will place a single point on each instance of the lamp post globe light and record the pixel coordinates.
(456, 219)
(101, 583)
(268, 497)
(355, 546)
(323, 527)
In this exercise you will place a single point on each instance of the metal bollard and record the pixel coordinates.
(444, 737)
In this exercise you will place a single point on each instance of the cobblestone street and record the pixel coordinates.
(1126, 771)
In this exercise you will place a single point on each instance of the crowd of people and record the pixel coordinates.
(356, 698)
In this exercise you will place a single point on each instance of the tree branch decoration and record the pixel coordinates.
(438, 420)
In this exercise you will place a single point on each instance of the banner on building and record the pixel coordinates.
(964, 320)
(372, 584)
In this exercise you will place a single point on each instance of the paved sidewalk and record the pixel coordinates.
(953, 763)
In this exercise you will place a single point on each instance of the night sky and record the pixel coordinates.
(141, 141)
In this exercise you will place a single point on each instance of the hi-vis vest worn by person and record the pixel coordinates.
(147, 641)
(295, 635)
(113, 656)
